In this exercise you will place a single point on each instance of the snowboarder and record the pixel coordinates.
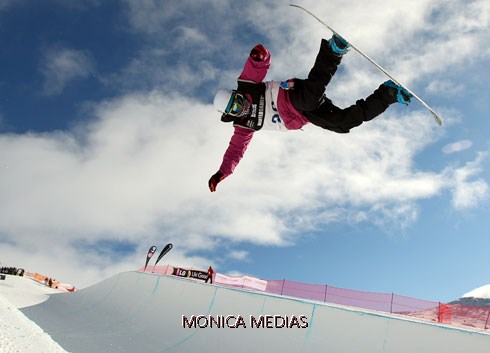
(291, 104)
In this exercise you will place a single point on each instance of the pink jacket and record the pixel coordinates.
(292, 118)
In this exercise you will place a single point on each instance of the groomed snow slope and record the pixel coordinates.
(141, 312)
(18, 333)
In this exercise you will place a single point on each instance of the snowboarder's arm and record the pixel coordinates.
(238, 145)
(257, 64)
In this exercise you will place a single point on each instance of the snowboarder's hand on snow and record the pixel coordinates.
(258, 53)
(215, 179)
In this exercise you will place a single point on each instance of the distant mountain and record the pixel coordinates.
(477, 297)
(472, 302)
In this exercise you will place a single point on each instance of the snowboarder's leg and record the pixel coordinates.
(331, 117)
(308, 94)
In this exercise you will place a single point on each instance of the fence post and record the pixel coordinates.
(391, 305)
(283, 284)
(326, 291)
(488, 318)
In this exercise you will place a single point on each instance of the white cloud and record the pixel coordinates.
(238, 255)
(140, 170)
(191, 37)
(457, 146)
(468, 189)
(445, 87)
(60, 66)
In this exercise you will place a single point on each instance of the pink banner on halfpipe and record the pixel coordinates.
(241, 281)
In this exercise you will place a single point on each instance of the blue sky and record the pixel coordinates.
(108, 138)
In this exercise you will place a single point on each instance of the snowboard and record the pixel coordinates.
(379, 67)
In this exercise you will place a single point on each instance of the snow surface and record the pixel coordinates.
(142, 312)
(481, 292)
(17, 332)
(107, 318)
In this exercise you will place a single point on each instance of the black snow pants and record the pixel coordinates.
(308, 97)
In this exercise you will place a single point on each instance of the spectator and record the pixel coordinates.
(210, 275)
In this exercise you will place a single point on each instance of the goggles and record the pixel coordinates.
(236, 104)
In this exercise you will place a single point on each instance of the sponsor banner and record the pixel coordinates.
(242, 282)
(195, 274)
